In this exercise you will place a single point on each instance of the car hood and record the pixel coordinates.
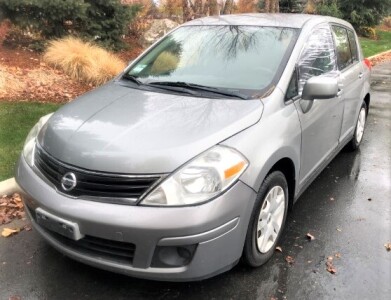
(124, 130)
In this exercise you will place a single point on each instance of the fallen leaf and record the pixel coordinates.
(339, 230)
(290, 260)
(279, 249)
(332, 199)
(9, 231)
(310, 236)
(11, 207)
(14, 298)
(337, 255)
(329, 265)
(27, 227)
(388, 246)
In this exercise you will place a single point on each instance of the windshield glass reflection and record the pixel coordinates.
(230, 57)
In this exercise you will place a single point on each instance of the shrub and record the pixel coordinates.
(83, 61)
(387, 22)
(104, 21)
(107, 21)
(48, 17)
(291, 6)
(368, 32)
(329, 8)
(364, 13)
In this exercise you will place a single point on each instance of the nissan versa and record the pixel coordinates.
(189, 160)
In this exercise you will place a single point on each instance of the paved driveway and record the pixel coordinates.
(354, 226)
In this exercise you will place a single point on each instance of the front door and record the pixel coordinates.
(320, 120)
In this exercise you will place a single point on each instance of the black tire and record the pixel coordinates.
(251, 255)
(354, 143)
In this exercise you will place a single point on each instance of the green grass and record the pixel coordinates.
(16, 120)
(372, 47)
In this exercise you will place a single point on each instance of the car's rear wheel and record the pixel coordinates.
(360, 127)
(267, 220)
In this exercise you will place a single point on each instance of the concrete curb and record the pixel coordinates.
(379, 54)
(8, 187)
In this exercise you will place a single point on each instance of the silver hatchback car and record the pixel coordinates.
(190, 159)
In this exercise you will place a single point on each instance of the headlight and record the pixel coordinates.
(206, 176)
(29, 144)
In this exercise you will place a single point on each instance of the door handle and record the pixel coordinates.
(360, 75)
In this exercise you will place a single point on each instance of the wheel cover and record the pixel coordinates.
(270, 219)
(360, 125)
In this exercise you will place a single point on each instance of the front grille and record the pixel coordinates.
(91, 184)
(121, 252)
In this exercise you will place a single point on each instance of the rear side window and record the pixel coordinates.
(344, 56)
(353, 45)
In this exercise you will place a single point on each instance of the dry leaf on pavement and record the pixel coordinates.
(11, 207)
(9, 231)
(388, 246)
(290, 260)
(27, 227)
(279, 249)
(329, 265)
(310, 236)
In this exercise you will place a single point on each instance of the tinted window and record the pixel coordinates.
(318, 55)
(353, 45)
(232, 57)
(344, 57)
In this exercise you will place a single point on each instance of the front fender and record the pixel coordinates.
(276, 136)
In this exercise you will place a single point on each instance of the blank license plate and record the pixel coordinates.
(58, 225)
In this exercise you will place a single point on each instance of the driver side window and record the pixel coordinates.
(318, 55)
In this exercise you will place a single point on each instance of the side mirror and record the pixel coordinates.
(320, 87)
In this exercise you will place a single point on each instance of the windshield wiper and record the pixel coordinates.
(132, 78)
(194, 86)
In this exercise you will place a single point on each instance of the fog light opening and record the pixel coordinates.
(172, 256)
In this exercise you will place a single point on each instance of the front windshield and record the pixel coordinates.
(228, 57)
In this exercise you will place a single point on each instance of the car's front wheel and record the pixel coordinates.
(360, 127)
(267, 221)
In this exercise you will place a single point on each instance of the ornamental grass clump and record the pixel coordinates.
(83, 61)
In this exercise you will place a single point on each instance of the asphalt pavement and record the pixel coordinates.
(347, 209)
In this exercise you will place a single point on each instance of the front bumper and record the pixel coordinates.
(217, 228)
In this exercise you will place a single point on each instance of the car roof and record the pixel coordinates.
(259, 19)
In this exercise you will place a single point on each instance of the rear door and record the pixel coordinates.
(320, 120)
(351, 76)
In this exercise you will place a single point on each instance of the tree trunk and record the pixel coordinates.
(276, 6)
(267, 5)
(272, 6)
(227, 7)
(198, 8)
(185, 11)
(205, 10)
(213, 8)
